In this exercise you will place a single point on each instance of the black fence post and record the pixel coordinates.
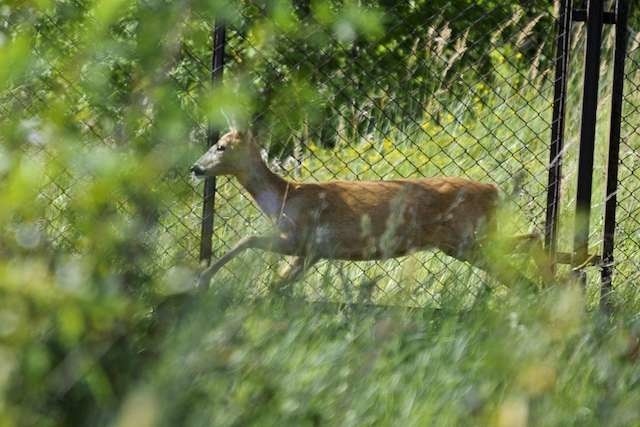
(587, 135)
(563, 31)
(208, 202)
(622, 8)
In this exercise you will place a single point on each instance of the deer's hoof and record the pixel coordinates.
(203, 282)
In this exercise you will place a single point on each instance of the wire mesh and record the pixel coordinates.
(457, 89)
(467, 104)
(627, 236)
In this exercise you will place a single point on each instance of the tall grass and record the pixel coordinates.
(521, 358)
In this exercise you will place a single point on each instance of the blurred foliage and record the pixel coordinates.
(104, 104)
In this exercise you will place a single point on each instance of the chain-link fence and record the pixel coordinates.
(456, 91)
(627, 263)
(401, 89)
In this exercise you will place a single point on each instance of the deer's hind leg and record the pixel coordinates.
(495, 257)
(531, 245)
(484, 255)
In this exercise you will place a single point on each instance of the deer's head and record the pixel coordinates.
(233, 154)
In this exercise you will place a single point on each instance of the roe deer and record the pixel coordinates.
(355, 220)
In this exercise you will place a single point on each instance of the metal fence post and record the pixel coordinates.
(587, 134)
(563, 25)
(622, 8)
(208, 202)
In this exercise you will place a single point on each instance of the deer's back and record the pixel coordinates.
(379, 219)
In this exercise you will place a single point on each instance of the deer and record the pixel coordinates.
(357, 220)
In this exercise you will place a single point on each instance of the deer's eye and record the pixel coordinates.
(221, 147)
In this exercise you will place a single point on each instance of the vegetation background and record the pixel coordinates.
(105, 104)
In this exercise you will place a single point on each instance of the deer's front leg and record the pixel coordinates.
(275, 242)
(293, 272)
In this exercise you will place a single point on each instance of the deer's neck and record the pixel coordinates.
(267, 188)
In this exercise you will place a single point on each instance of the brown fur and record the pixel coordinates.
(367, 220)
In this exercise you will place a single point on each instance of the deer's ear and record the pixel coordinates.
(231, 123)
(239, 133)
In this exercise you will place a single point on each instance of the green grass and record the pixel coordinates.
(511, 359)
